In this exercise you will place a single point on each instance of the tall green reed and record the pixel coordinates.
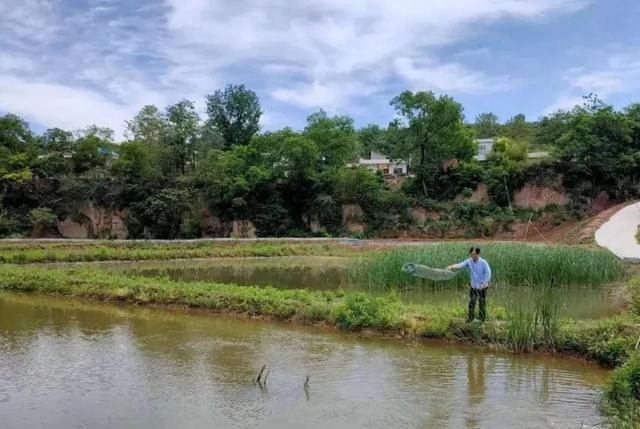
(534, 322)
(511, 264)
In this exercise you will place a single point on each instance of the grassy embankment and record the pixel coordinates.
(611, 342)
(29, 252)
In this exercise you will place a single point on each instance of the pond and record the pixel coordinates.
(67, 364)
(312, 272)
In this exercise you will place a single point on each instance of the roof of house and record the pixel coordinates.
(485, 141)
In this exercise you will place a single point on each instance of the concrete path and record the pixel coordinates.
(618, 234)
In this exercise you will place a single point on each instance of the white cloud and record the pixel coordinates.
(98, 64)
(332, 43)
(62, 106)
(564, 102)
(451, 77)
(619, 74)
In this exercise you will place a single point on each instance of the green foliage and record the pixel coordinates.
(335, 138)
(183, 127)
(7, 223)
(99, 250)
(14, 133)
(433, 131)
(486, 126)
(622, 394)
(285, 181)
(633, 287)
(512, 264)
(87, 154)
(361, 311)
(598, 151)
(518, 129)
(148, 126)
(42, 216)
(235, 112)
(163, 212)
(374, 138)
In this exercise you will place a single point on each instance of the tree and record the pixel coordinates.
(487, 125)
(597, 150)
(57, 140)
(148, 126)
(87, 154)
(15, 139)
(373, 138)
(103, 133)
(335, 138)
(15, 134)
(518, 128)
(183, 128)
(433, 128)
(508, 149)
(235, 112)
(550, 128)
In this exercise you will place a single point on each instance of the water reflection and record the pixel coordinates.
(67, 364)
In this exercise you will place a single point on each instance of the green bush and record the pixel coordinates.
(634, 291)
(362, 311)
(7, 223)
(622, 394)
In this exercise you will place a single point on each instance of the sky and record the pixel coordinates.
(73, 63)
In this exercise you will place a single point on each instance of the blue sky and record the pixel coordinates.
(72, 63)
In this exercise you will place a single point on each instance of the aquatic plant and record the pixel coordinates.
(512, 264)
(533, 323)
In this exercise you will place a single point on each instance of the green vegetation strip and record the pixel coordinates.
(511, 263)
(136, 251)
(606, 341)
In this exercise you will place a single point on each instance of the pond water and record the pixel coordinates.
(67, 364)
(330, 273)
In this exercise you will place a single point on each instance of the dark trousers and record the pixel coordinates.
(474, 294)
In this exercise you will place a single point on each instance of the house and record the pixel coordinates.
(388, 167)
(484, 148)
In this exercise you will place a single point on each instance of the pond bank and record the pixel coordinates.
(606, 341)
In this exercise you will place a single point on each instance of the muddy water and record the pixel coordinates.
(329, 273)
(65, 364)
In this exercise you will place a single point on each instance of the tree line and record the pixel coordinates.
(175, 165)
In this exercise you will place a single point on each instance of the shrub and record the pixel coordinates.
(362, 311)
(622, 394)
(7, 223)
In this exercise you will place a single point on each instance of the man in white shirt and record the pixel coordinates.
(480, 278)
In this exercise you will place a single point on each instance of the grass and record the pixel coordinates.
(29, 252)
(530, 326)
(622, 395)
(512, 264)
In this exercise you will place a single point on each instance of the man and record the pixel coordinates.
(480, 277)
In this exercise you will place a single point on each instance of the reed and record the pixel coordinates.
(511, 264)
(549, 312)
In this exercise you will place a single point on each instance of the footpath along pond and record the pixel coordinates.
(69, 364)
(321, 273)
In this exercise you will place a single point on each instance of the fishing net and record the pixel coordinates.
(425, 272)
